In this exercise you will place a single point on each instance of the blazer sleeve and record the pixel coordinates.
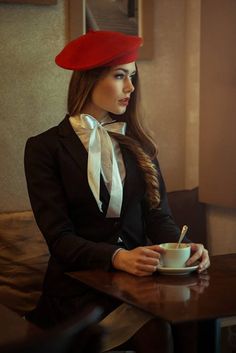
(160, 225)
(50, 209)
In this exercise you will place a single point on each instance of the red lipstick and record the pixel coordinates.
(124, 101)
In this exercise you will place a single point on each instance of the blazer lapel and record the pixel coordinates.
(72, 143)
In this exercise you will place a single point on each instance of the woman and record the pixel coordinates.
(97, 192)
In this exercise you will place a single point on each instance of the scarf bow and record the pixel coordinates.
(101, 157)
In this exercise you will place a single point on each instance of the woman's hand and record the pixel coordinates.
(199, 253)
(141, 261)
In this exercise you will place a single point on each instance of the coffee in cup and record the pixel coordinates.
(175, 256)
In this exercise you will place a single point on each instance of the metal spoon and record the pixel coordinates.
(182, 234)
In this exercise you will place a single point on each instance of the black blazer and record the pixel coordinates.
(77, 233)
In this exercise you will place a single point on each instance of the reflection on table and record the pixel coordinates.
(177, 299)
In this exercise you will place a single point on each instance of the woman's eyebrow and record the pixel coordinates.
(125, 70)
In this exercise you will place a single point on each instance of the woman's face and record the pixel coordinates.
(112, 92)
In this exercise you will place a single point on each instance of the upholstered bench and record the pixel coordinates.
(23, 261)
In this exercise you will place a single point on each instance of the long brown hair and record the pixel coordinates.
(137, 140)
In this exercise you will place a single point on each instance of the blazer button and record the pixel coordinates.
(116, 225)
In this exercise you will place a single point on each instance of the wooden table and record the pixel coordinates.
(205, 297)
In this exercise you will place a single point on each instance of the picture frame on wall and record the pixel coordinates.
(33, 2)
(83, 16)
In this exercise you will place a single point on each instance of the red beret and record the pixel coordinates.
(99, 48)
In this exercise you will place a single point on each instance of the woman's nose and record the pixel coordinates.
(129, 87)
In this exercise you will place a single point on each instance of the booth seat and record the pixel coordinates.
(23, 261)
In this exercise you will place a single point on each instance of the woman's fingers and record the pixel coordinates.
(147, 260)
(199, 253)
(156, 248)
(205, 263)
(140, 261)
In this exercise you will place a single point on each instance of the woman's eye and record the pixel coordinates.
(119, 76)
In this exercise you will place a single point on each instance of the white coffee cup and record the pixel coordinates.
(175, 257)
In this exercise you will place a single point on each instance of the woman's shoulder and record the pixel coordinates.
(43, 144)
(47, 142)
(45, 135)
(50, 135)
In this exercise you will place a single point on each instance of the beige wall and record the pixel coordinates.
(163, 88)
(34, 93)
(171, 102)
(217, 121)
(32, 90)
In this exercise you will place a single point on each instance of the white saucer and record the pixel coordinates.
(176, 271)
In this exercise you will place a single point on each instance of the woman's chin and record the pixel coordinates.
(119, 111)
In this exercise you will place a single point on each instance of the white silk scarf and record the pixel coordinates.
(101, 158)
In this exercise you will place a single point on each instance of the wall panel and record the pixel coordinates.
(217, 174)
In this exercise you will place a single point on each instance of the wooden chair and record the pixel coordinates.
(80, 335)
